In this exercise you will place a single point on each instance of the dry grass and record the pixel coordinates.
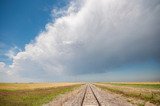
(31, 86)
(151, 85)
(34, 94)
(145, 91)
(135, 82)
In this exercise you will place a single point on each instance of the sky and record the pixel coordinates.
(21, 21)
(79, 40)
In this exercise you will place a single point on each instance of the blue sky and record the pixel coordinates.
(79, 40)
(22, 20)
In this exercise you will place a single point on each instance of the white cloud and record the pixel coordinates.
(92, 37)
(4, 72)
(12, 52)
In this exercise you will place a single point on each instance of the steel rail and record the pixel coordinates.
(99, 104)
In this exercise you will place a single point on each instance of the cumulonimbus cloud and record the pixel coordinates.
(93, 37)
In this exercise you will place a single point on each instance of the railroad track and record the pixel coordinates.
(84, 96)
(89, 97)
(99, 104)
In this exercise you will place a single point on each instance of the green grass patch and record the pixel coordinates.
(35, 97)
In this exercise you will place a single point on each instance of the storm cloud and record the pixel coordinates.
(93, 36)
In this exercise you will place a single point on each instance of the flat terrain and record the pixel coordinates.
(151, 85)
(32, 94)
(78, 94)
(31, 86)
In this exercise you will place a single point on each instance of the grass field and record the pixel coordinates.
(33, 94)
(148, 91)
(31, 86)
(152, 85)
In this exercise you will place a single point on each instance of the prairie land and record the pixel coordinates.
(37, 94)
(152, 85)
(143, 91)
(32, 94)
(31, 86)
